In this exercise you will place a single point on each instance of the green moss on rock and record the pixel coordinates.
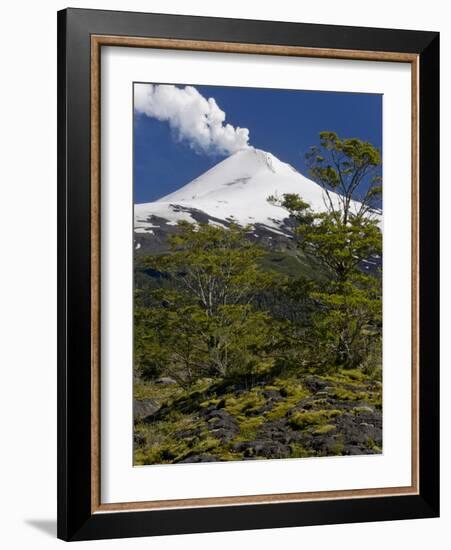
(302, 420)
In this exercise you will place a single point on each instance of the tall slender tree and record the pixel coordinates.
(348, 313)
(352, 169)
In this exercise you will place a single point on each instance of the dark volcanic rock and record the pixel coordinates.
(188, 433)
(360, 432)
(309, 403)
(329, 444)
(143, 408)
(315, 384)
(277, 430)
(262, 448)
(372, 418)
(202, 457)
(273, 395)
(221, 424)
(353, 433)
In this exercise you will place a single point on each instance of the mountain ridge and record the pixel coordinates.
(234, 190)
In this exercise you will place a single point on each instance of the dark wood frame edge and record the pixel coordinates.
(76, 519)
(97, 41)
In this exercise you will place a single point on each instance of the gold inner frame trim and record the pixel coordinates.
(97, 41)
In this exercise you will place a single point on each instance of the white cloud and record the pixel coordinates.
(194, 118)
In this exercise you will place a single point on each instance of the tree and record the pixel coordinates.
(347, 233)
(341, 246)
(346, 328)
(352, 169)
(347, 318)
(205, 323)
(216, 266)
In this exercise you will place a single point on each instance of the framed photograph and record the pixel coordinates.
(248, 274)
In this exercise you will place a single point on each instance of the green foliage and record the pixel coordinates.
(325, 429)
(340, 247)
(206, 324)
(298, 451)
(343, 165)
(302, 420)
(292, 391)
(215, 266)
(246, 404)
(295, 205)
(249, 428)
(345, 326)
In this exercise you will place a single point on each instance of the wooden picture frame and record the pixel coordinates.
(81, 35)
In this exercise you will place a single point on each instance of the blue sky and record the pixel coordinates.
(283, 122)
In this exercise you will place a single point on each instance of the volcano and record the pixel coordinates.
(236, 190)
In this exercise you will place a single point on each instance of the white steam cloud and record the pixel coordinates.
(194, 118)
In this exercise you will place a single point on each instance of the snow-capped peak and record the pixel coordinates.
(236, 170)
(235, 189)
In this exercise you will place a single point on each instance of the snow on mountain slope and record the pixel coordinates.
(236, 189)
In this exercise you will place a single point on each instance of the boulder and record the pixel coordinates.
(143, 408)
(221, 424)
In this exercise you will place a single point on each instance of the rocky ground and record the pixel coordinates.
(285, 417)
